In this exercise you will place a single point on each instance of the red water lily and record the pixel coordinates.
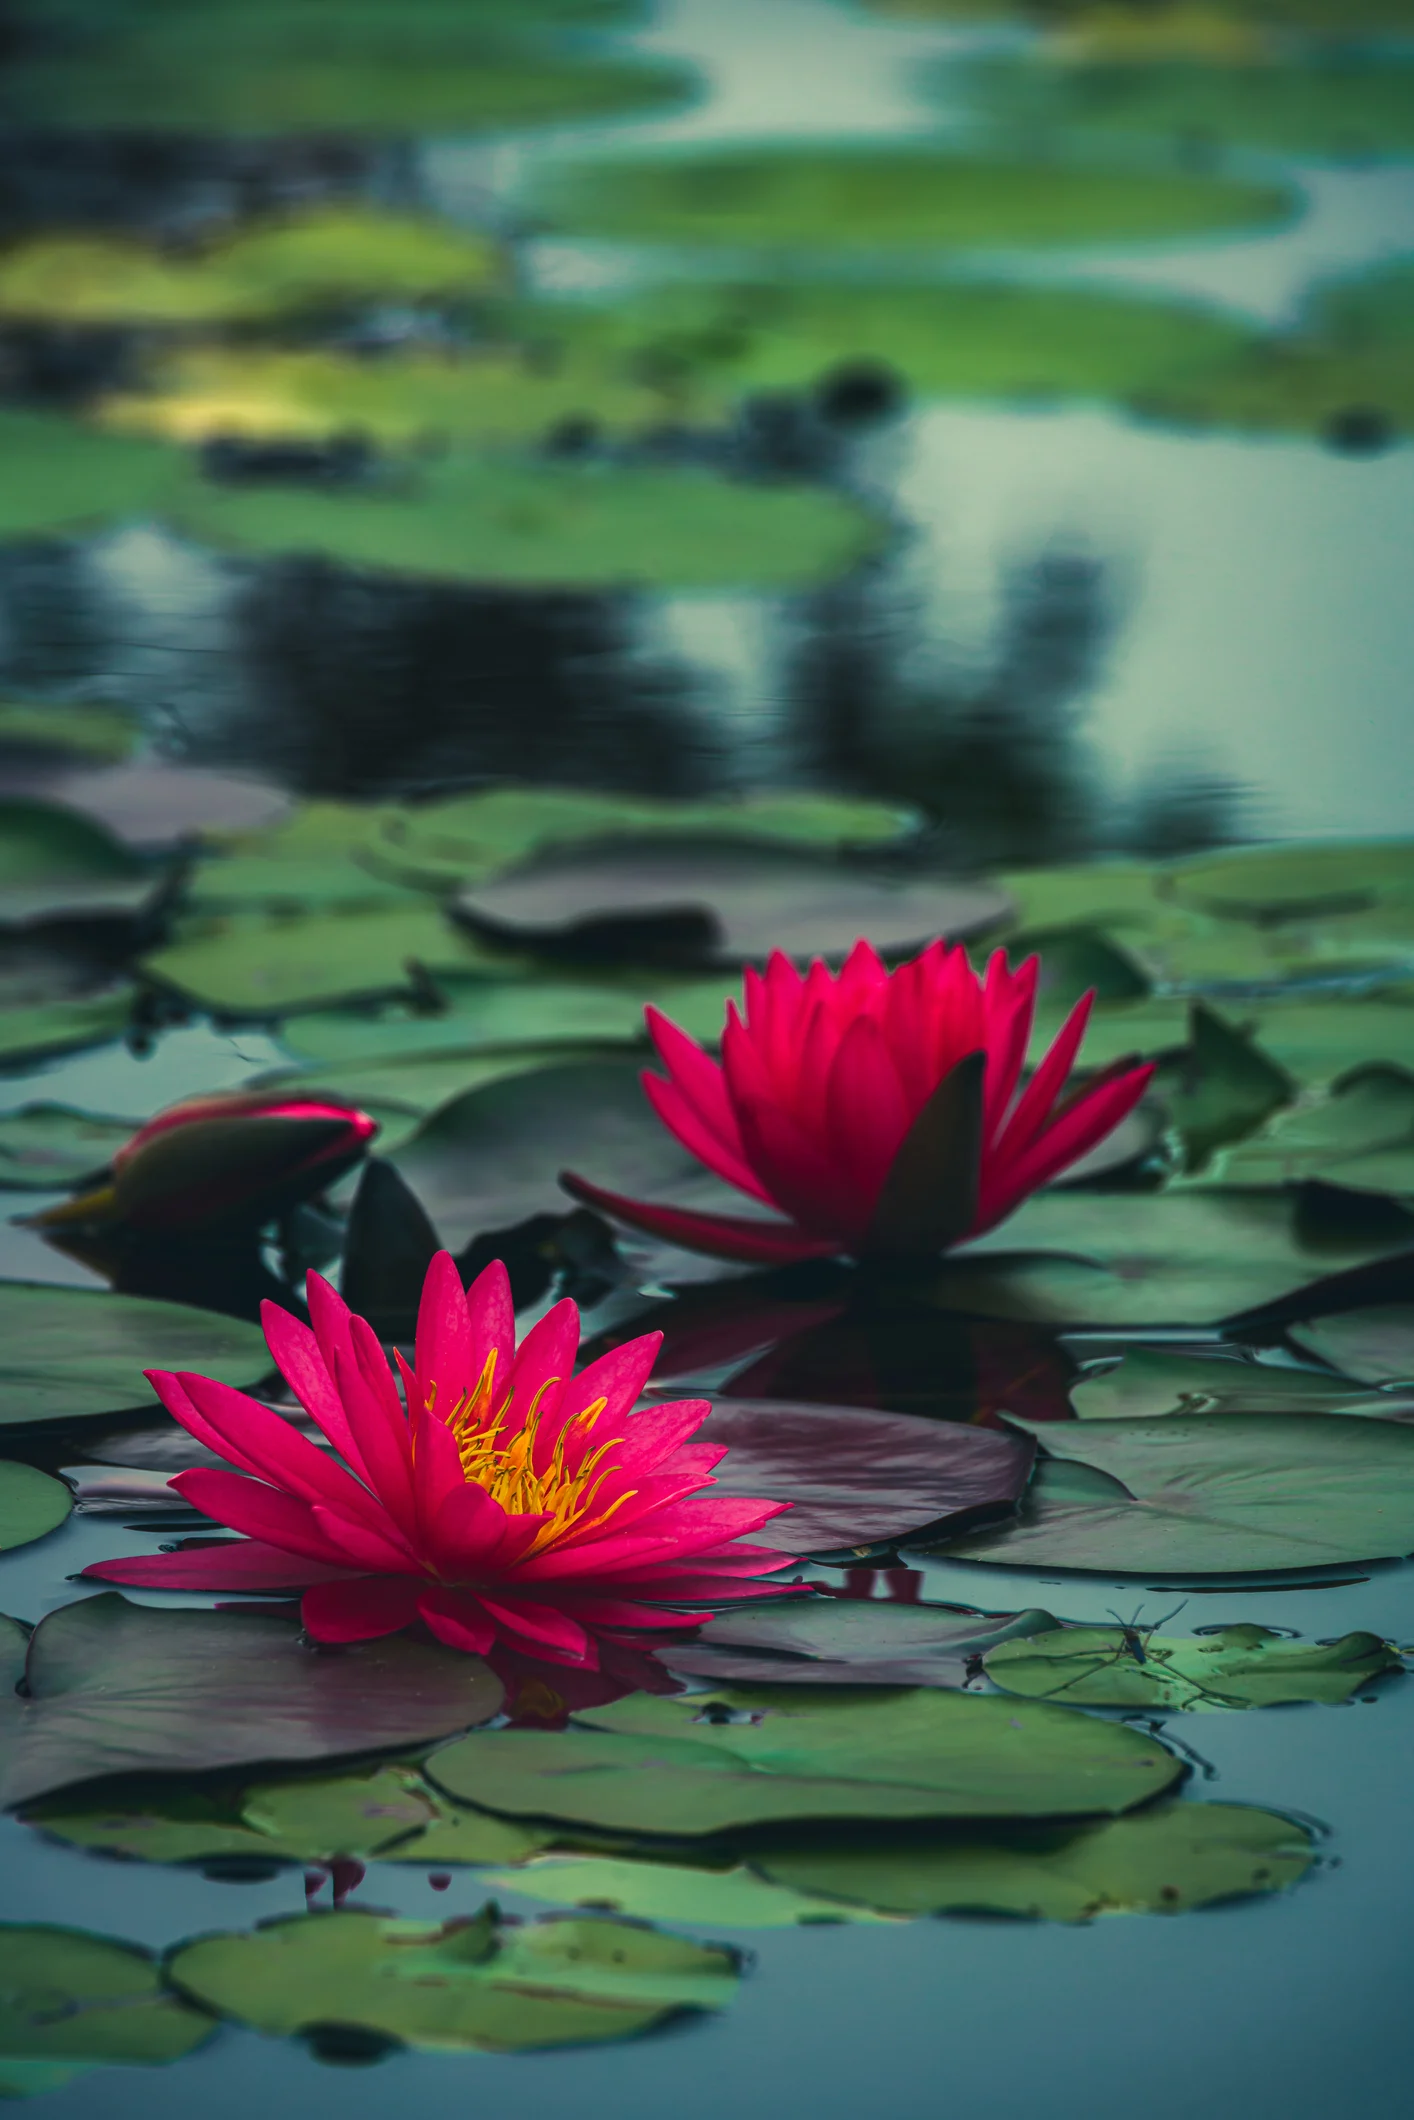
(233, 1159)
(882, 1111)
(511, 1503)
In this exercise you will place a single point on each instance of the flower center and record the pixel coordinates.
(533, 1465)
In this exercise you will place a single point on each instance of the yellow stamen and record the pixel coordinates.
(504, 1463)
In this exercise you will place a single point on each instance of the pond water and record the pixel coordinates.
(1081, 633)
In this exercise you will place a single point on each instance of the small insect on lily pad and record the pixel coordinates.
(450, 1986)
(1232, 1667)
(1162, 1860)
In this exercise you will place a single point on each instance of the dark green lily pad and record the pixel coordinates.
(1361, 1134)
(646, 902)
(1071, 1257)
(1219, 1087)
(1376, 1345)
(46, 1146)
(66, 1351)
(119, 1688)
(1162, 1860)
(848, 1642)
(1244, 1494)
(31, 1504)
(66, 1995)
(168, 1825)
(665, 1891)
(450, 1986)
(704, 1763)
(62, 476)
(1230, 1667)
(800, 198)
(1153, 1381)
(490, 1158)
(42, 1029)
(1270, 885)
(490, 1016)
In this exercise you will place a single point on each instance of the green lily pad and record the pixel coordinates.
(43, 843)
(66, 1995)
(60, 476)
(1219, 1087)
(463, 838)
(705, 1763)
(1360, 1133)
(1151, 1381)
(1375, 1345)
(664, 1891)
(1241, 1495)
(889, 198)
(848, 1642)
(1272, 885)
(450, 1986)
(1163, 1860)
(1071, 1257)
(46, 1146)
(73, 1351)
(401, 1091)
(1230, 1667)
(119, 1688)
(45, 1028)
(31, 1504)
(483, 1017)
(168, 1825)
(390, 1811)
(488, 517)
(263, 965)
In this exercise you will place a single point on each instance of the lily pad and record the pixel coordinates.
(448, 1986)
(38, 1032)
(1360, 1133)
(1153, 1381)
(664, 1891)
(803, 198)
(489, 1158)
(461, 838)
(646, 903)
(1227, 1667)
(1219, 1087)
(858, 1479)
(162, 808)
(120, 1688)
(1163, 1860)
(66, 1995)
(70, 1351)
(31, 1504)
(482, 1016)
(1376, 1345)
(46, 1146)
(1271, 885)
(60, 476)
(1248, 1493)
(169, 1824)
(849, 1642)
(705, 1763)
(1075, 1257)
(401, 1091)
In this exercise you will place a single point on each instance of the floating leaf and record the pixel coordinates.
(1073, 1258)
(66, 1351)
(31, 1504)
(1244, 1494)
(490, 1016)
(162, 808)
(1361, 1133)
(1219, 1087)
(390, 1811)
(1152, 1381)
(848, 1642)
(1374, 1345)
(663, 1891)
(66, 1995)
(704, 1763)
(1162, 1860)
(38, 1032)
(856, 1478)
(167, 1824)
(464, 1983)
(46, 1146)
(120, 1688)
(1227, 1667)
(1272, 884)
(646, 902)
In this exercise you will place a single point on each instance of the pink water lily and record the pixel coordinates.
(881, 1112)
(512, 1502)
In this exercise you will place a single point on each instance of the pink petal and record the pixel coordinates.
(1036, 1100)
(542, 1625)
(653, 1433)
(868, 1113)
(1011, 1001)
(359, 1610)
(457, 1619)
(386, 1553)
(449, 1357)
(546, 1358)
(1071, 1134)
(379, 1425)
(261, 1512)
(818, 1193)
(280, 1453)
(617, 1378)
(469, 1531)
(491, 1324)
(297, 1356)
(173, 1393)
(697, 1079)
(750, 1242)
(684, 1121)
(238, 1564)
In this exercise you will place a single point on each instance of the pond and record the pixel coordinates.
(510, 516)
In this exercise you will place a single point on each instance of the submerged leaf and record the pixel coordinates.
(1162, 1860)
(119, 1688)
(465, 1983)
(703, 1763)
